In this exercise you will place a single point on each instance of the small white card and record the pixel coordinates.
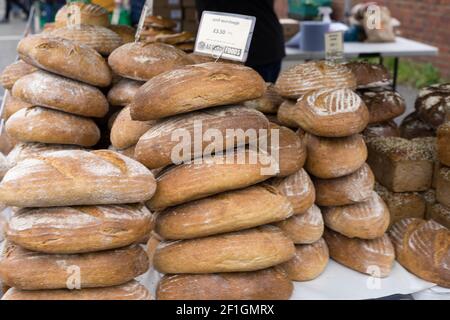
(225, 35)
(334, 46)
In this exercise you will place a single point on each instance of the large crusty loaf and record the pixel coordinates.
(126, 33)
(126, 132)
(309, 262)
(353, 188)
(225, 212)
(443, 143)
(423, 247)
(214, 175)
(268, 103)
(79, 229)
(14, 72)
(7, 143)
(433, 103)
(76, 177)
(101, 39)
(369, 74)
(44, 125)
(414, 127)
(383, 104)
(334, 157)
(331, 113)
(91, 14)
(248, 250)
(286, 114)
(52, 91)
(12, 105)
(307, 77)
(374, 257)
(129, 291)
(304, 228)
(267, 284)
(142, 61)
(237, 124)
(29, 270)
(383, 129)
(443, 186)
(66, 58)
(196, 87)
(364, 220)
(122, 92)
(299, 190)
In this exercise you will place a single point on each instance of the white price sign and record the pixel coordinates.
(334, 46)
(225, 35)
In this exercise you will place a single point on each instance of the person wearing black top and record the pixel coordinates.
(267, 47)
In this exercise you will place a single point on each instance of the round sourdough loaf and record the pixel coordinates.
(14, 72)
(413, 127)
(286, 114)
(91, 14)
(443, 143)
(126, 33)
(433, 103)
(268, 103)
(174, 138)
(334, 157)
(142, 61)
(309, 262)
(12, 105)
(423, 247)
(299, 190)
(288, 148)
(248, 250)
(52, 91)
(76, 177)
(267, 284)
(196, 87)
(331, 113)
(80, 229)
(209, 176)
(101, 39)
(304, 228)
(129, 291)
(29, 270)
(383, 129)
(364, 220)
(66, 58)
(225, 212)
(122, 92)
(443, 186)
(304, 78)
(369, 74)
(373, 257)
(350, 189)
(44, 125)
(126, 132)
(383, 104)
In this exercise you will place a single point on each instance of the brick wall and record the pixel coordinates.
(426, 21)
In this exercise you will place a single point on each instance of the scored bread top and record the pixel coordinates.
(328, 102)
(90, 13)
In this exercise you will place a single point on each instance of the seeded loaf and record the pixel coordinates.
(373, 257)
(12, 105)
(65, 58)
(443, 186)
(91, 14)
(196, 87)
(225, 212)
(334, 157)
(44, 125)
(176, 135)
(267, 284)
(142, 61)
(443, 143)
(76, 177)
(440, 214)
(248, 250)
(68, 230)
(122, 92)
(29, 270)
(14, 72)
(309, 262)
(52, 91)
(430, 200)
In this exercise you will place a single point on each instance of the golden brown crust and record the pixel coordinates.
(28, 270)
(334, 157)
(226, 212)
(65, 58)
(440, 214)
(126, 33)
(12, 105)
(159, 22)
(91, 14)
(267, 284)
(248, 250)
(122, 92)
(196, 87)
(268, 103)
(423, 247)
(443, 143)
(286, 114)
(68, 230)
(374, 257)
(14, 72)
(443, 186)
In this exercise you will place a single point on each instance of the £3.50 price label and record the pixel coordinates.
(225, 35)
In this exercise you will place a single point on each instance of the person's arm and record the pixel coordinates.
(281, 8)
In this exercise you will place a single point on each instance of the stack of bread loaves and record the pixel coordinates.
(214, 213)
(333, 116)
